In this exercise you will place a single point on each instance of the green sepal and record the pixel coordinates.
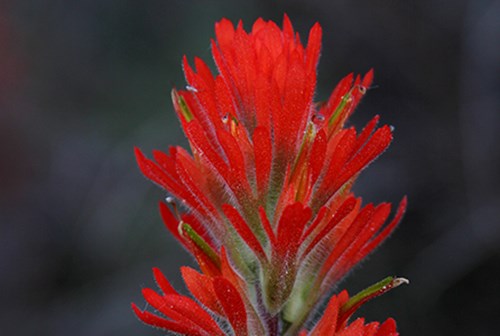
(200, 243)
(345, 99)
(183, 107)
(381, 287)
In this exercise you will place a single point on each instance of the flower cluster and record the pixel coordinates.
(269, 212)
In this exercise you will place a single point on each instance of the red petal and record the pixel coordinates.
(223, 67)
(166, 162)
(159, 176)
(233, 305)
(159, 322)
(317, 156)
(202, 146)
(227, 270)
(201, 99)
(258, 25)
(237, 163)
(245, 75)
(327, 325)
(388, 328)
(244, 230)
(371, 328)
(198, 285)
(171, 223)
(279, 75)
(170, 310)
(365, 134)
(348, 237)
(263, 93)
(313, 48)
(224, 99)
(263, 158)
(386, 232)
(273, 38)
(152, 171)
(224, 31)
(187, 172)
(287, 28)
(182, 309)
(345, 209)
(267, 227)
(163, 283)
(317, 220)
(367, 79)
(290, 121)
(204, 71)
(354, 329)
(342, 152)
(373, 148)
(340, 90)
(290, 227)
(349, 257)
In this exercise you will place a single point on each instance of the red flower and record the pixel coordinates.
(271, 173)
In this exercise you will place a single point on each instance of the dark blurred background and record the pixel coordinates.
(82, 82)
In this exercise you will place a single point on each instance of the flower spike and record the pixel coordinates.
(266, 195)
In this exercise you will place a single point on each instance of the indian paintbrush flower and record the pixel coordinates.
(269, 212)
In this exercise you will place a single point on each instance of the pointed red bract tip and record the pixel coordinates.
(388, 328)
(163, 283)
(232, 304)
(290, 228)
(378, 239)
(199, 286)
(368, 79)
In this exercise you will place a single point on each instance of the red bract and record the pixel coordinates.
(269, 180)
